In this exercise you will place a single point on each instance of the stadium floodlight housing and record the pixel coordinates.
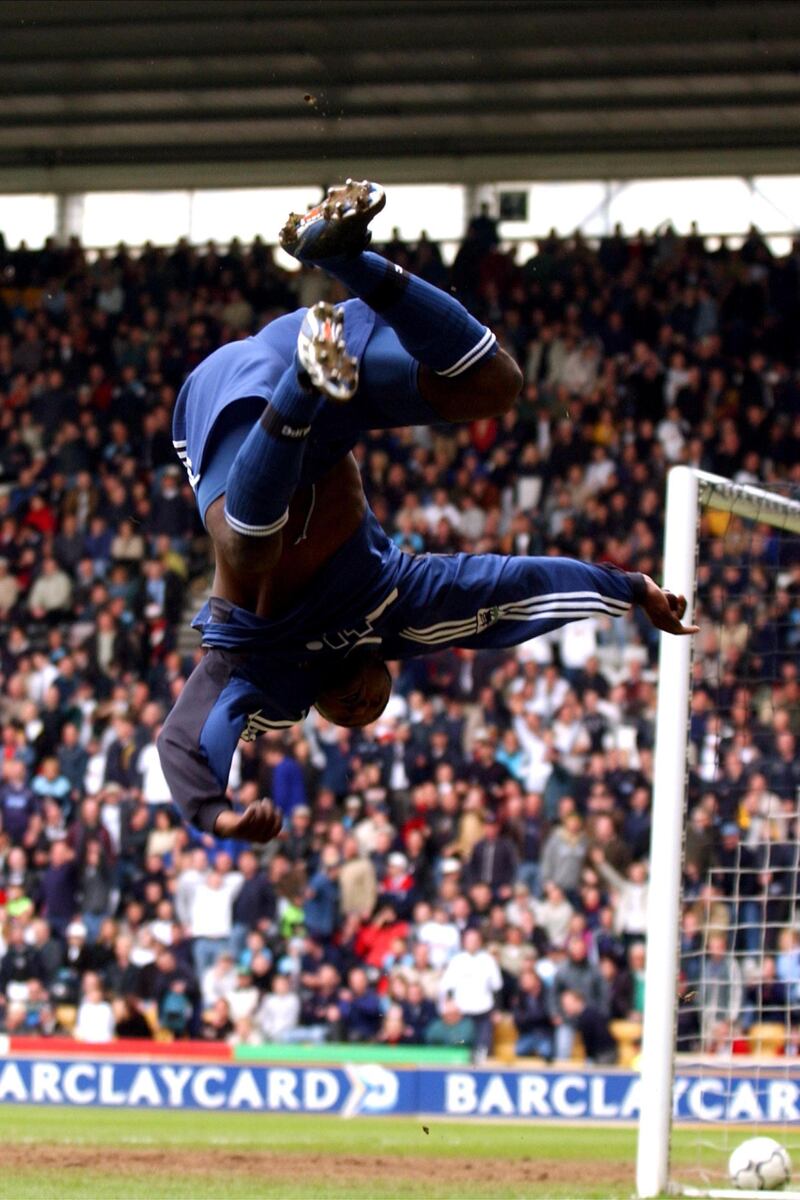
(690, 492)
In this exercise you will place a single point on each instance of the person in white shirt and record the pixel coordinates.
(536, 744)
(578, 643)
(95, 1020)
(554, 914)
(232, 879)
(155, 789)
(549, 693)
(210, 921)
(193, 872)
(441, 936)
(279, 1013)
(570, 739)
(579, 372)
(472, 980)
(375, 822)
(219, 980)
(628, 895)
(441, 506)
(244, 999)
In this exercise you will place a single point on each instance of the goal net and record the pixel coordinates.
(719, 1060)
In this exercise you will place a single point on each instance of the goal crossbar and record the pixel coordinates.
(744, 500)
(688, 492)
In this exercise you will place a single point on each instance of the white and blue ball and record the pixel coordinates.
(759, 1164)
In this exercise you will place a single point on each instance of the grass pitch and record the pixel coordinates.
(126, 1154)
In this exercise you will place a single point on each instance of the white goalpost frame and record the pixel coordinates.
(688, 491)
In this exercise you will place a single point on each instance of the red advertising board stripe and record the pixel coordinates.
(125, 1048)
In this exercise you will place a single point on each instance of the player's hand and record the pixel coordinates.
(665, 609)
(260, 822)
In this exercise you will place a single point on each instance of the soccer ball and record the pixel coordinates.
(759, 1164)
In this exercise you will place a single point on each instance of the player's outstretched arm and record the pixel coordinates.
(196, 746)
(665, 609)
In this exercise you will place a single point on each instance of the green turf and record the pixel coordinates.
(234, 1134)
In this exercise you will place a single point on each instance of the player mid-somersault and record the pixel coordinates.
(310, 596)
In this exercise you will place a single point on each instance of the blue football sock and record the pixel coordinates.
(266, 469)
(432, 326)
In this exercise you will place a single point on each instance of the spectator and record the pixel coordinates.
(279, 1014)
(95, 888)
(629, 895)
(50, 596)
(472, 979)
(564, 854)
(493, 860)
(320, 1015)
(397, 886)
(765, 997)
(210, 921)
(393, 1031)
(9, 591)
(285, 784)
(451, 1027)
(217, 1025)
(419, 1012)
(129, 1019)
(17, 801)
(358, 889)
(73, 759)
(95, 1019)
(720, 994)
(530, 1008)
(155, 790)
(58, 887)
(359, 1008)
(244, 999)
(49, 949)
(440, 935)
(122, 975)
(580, 977)
(321, 908)
(175, 1009)
(20, 962)
(254, 903)
(592, 1024)
(554, 914)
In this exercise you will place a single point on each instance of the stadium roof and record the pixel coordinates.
(236, 92)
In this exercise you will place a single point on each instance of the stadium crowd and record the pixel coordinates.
(481, 852)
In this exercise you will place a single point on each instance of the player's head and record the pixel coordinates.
(357, 692)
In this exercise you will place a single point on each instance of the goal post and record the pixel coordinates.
(689, 492)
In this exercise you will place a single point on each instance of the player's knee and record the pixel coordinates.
(495, 386)
(488, 390)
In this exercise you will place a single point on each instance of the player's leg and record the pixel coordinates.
(252, 460)
(254, 463)
(472, 601)
(388, 395)
(463, 375)
(490, 601)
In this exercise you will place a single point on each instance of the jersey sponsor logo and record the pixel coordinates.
(359, 635)
(257, 724)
